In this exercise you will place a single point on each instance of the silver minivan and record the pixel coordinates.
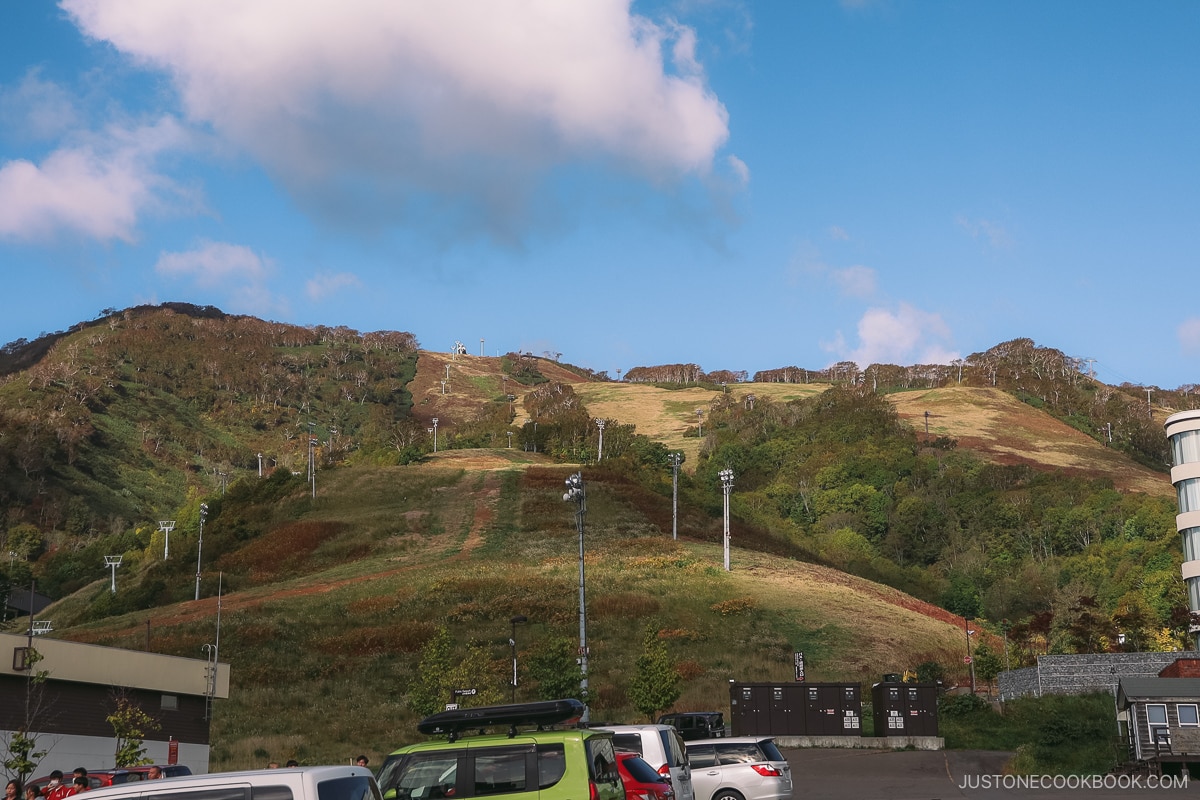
(291, 783)
(739, 768)
(662, 748)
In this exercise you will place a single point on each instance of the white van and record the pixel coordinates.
(291, 783)
(661, 747)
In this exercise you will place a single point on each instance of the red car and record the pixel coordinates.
(642, 781)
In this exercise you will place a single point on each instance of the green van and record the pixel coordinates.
(563, 764)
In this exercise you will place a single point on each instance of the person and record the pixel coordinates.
(31, 793)
(12, 791)
(362, 761)
(56, 789)
(80, 784)
(291, 762)
(273, 765)
(154, 773)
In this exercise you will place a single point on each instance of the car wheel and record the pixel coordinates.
(727, 794)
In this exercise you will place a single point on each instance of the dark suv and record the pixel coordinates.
(694, 725)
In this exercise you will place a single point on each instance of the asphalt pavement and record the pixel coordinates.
(939, 775)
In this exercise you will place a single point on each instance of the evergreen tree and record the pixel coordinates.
(656, 684)
(555, 670)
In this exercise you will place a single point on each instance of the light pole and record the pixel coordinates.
(512, 642)
(675, 460)
(112, 562)
(1004, 626)
(700, 423)
(166, 526)
(726, 476)
(509, 439)
(200, 546)
(435, 420)
(576, 493)
(260, 465)
(312, 460)
(970, 660)
(481, 346)
(600, 450)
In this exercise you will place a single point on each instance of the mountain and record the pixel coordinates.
(860, 536)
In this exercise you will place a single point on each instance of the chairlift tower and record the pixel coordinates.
(166, 526)
(112, 562)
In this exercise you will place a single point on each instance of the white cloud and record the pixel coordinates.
(1189, 335)
(214, 264)
(993, 232)
(322, 286)
(740, 171)
(856, 281)
(838, 233)
(361, 107)
(233, 270)
(97, 187)
(905, 335)
(36, 108)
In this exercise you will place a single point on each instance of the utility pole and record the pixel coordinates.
(675, 459)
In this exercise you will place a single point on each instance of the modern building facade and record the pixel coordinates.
(69, 709)
(1183, 432)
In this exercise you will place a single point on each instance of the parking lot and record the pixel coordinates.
(933, 775)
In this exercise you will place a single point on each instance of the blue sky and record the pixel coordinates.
(739, 185)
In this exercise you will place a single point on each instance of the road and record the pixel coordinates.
(939, 775)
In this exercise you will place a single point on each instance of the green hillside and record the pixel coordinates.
(859, 536)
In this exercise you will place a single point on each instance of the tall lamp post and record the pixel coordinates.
(512, 642)
(700, 423)
(970, 660)
(726, 476)
(576, 494)
(675, 460)
(435, 420)
(200, 546)
(600, 450)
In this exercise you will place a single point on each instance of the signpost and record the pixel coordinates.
(799, 667)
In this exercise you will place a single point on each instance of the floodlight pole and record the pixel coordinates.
(512, 642)
(970, 660)
(200, 546)
(675, 458)
(577, 494)
(726, 476)
(435, 421)
(112, 562)
(700, 423)
(166, 526)
(509, 439)
(600, 450)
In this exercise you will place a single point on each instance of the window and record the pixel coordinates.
(602, 761)
(1156, 720)
(350, 788)
(170, 702)
(1188, 716)
(269, 792)
(237, 792)
(1189, 495)
(421, 776)
(499, 771)
(552, 764)
(1186, 447)
(702, 756)
(738, 753)
(630, 742)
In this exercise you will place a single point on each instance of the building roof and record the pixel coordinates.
(1131, 690)
(111, 666)
(19, 601)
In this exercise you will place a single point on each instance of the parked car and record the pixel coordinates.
(696, 724)
(566, 764)
(297, 783)
(739, 768)
(167, 770)
(97, 778)
(641, 781)
(662, 748)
